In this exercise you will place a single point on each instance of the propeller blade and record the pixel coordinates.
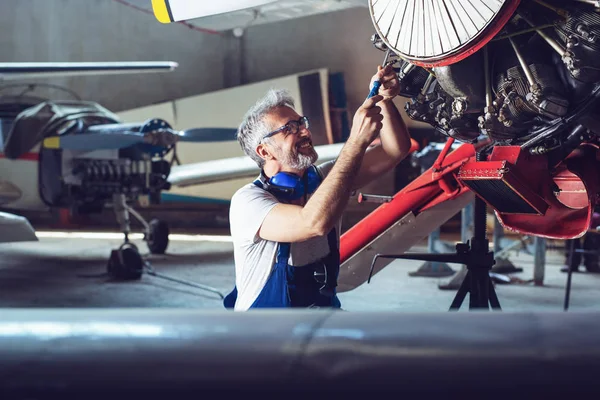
(208, 135)
(167, 11)
(94, 141)
(29, 70)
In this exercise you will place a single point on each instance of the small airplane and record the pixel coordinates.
(25, 121)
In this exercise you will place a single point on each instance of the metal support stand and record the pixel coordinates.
(478, 259)
(570, 275)
(466, 231)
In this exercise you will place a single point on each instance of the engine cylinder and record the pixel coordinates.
(459, 81)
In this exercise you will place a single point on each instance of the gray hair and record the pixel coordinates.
(254, 127)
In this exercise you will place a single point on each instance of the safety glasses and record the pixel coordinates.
(291, 128)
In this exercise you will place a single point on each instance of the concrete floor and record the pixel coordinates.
(70, 272)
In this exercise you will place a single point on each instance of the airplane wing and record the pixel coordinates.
(232, 168)
(167, 11)
(34, 70)
(241, 167)
(230, 14)
(14, 228)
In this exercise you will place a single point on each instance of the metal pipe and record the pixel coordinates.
(486, 70)
(555, 45)
(153, 353)
(569, 274)
(518, 33)
(480, 218)
(523, 64)
(373, 198)
(480, 210)
(428, 82)
(563, 13)
(139, 217)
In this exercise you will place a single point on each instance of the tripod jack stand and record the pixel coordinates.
(475, 255)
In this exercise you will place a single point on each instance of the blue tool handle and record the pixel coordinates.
(375, 89)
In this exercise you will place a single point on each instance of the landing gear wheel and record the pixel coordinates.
(125, 263)
(157, 237)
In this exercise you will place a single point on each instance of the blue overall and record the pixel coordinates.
(309, 286)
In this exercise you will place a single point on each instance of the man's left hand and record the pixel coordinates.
(390, 85)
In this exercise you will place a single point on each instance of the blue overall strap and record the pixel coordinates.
(230, 299)
(275, 293)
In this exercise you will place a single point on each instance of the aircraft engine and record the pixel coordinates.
(101, 178)
(86, 182)
(85, 170)
(522, 74)
(516, 71)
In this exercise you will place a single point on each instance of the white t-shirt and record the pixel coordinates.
(255, 257)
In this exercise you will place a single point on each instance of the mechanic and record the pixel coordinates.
(286, 224)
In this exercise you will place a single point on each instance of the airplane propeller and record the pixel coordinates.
(111, 140)
(208, 135)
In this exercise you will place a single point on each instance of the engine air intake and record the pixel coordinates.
(501, 188)
(438, 33)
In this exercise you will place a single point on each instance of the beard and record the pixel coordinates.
(297, 159)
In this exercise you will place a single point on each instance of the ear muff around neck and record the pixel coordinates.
(288, 186)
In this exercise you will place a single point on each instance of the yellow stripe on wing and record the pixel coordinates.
(52, 142)
(161, 11)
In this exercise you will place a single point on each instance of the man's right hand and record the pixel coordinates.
(367, 122)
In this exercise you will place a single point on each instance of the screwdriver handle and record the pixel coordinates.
(375, 89)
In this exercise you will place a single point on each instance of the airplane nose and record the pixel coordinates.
(161, 137)
(158, 133)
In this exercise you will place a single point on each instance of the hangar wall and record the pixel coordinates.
(339, 42)
(106, 30)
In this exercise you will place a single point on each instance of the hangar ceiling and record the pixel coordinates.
(275, 11)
